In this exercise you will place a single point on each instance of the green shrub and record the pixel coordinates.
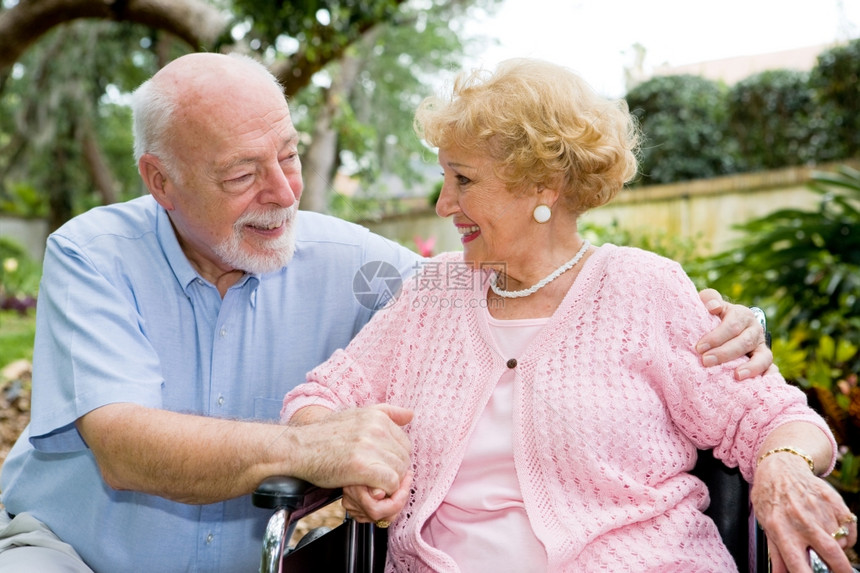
(660, 242)
(19, 282)
(774, 117)
(685, 134)
(803, 264)
(836, 81)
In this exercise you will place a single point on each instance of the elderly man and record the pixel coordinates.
(170, 327)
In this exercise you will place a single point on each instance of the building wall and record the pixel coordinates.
(733, 70)
(29, 233)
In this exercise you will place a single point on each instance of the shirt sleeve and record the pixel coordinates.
(359, 375)
(710, 406)
(388, 266)
(344, 380)
(90, 349)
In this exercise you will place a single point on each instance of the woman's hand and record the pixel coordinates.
(739, 334)
(365, 504)
(798, 511)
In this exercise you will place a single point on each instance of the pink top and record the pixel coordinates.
(484, 509)
(609, 403)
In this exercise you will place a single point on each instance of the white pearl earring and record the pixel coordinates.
(542, 213)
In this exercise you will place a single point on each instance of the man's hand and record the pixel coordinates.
(357, 447)
(738, 334)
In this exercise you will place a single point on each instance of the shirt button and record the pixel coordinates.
(220, 400)
(209, 538)
(512, 363)
(223, 332)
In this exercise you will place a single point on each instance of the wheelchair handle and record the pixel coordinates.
(293, 494)
(292, 499)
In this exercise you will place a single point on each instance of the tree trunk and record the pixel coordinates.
(94, 161)
(60, 207)
(319, 159)
(320, 162)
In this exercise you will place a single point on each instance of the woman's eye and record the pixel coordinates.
(463, 180)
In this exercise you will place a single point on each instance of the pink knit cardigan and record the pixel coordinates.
(610, 403)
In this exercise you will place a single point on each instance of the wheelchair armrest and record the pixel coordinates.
(731, 511)
(729, 492)
(350, 547)
(297, 496)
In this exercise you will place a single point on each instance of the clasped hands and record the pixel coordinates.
(366, 446)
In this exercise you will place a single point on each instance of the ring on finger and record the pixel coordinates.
(840, 533)
(849, 520)
(384, 523)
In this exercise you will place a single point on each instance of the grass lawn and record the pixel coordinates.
(16, 336)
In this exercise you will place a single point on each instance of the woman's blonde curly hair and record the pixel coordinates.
(543, 124)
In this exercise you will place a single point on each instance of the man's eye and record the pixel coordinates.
(240, 179)
(463, 180)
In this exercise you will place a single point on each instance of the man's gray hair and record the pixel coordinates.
(152, 108)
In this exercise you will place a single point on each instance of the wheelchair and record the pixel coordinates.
(360, 547)
(351, 547)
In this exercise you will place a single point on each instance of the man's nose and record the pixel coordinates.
(279, 189)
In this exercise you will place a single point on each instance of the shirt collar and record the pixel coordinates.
(179, 263)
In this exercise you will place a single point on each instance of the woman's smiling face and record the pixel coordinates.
(495, 224)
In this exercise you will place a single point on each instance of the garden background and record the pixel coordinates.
(66, 67)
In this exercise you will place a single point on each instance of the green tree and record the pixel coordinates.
(59, 136)
(388, 69)
(683, 120)
(62, 79)
(314, 31)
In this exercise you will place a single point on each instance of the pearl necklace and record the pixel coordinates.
(533, 289)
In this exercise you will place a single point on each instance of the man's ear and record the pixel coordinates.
(155, 178)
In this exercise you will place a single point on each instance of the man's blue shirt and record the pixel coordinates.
(123, 317)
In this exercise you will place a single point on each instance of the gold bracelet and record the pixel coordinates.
(805, 457)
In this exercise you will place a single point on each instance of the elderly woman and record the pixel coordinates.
(558, 397)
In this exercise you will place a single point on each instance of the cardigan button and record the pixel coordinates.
(512, 363)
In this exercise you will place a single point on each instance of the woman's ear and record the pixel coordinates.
(155, 178)
(547, 196)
